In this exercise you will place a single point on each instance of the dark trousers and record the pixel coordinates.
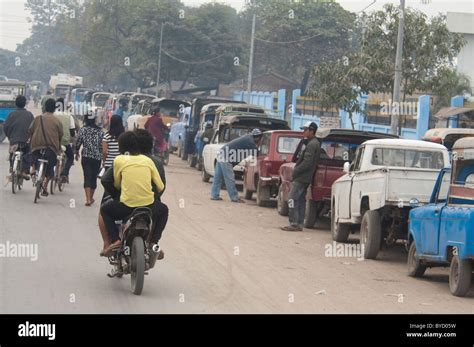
(25, 157)
(297, 203)
(69, 161)
(46, 154)
(113, 210)
(91, 168)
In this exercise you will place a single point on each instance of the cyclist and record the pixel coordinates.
(158, 129)
(16, 128)
(46, 133)
(69, 130)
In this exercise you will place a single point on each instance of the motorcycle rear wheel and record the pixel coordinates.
(137, 269)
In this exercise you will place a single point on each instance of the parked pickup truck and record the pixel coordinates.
(337, 147)
(447, 136)
(261, 175)
(231, 127)
(376, 191)
(442, 232)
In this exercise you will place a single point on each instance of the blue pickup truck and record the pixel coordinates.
(441, 233)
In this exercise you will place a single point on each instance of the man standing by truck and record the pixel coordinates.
(229, 156)
(306, 164)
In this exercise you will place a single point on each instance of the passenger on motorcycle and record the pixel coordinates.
(134, 175)
(158, 129)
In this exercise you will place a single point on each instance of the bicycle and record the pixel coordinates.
(16, 173)
(58, 169)
(39, 179)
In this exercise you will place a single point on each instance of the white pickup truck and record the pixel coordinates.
(386, 178)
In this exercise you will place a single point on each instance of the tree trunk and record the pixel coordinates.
(304, 82)
(352, 120)
(186, 78)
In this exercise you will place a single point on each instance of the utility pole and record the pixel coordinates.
(249, 83)
(398, 71)
(159, 61)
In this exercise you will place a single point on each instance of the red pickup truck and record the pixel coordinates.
(337, 147)
(261, 174)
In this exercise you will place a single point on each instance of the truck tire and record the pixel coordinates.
(371, 234)
(263, 195)
(415, 267)
(205, 177)
(311, 214)
(460, 274)
(192, 160)
(247, 193)
(282, 206)
(3, 136)
(199, 165)
(340, 232)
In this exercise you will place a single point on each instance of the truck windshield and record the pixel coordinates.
(100, 99)
(462, 188)
(288, 144)
(409, 158)
(338, 150)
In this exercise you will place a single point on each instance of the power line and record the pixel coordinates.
(191, 62)
(287, 42)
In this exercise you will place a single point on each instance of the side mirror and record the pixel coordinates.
(414, 202)
(346, 167)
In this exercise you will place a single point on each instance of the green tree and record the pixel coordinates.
(292, 37)
(428, 46)
(333, 88)
(446, 84)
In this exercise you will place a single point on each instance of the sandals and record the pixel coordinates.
(107, 252)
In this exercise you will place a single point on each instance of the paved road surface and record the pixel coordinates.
(221, 257)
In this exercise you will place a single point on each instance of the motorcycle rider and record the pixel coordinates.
(158, 129)
(16, 128)
(134, 175)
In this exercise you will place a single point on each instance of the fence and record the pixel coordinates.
(303, 109)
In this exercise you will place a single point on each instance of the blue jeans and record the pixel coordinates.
(297, 203)
(224, 171)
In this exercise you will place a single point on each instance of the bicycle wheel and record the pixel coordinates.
(59, 178)
(39, 182)
(53, 182)
(14, 179)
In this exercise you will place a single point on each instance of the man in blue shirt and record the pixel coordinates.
(122, 111)
(230, 155)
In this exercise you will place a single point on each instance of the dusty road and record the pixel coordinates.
(221, 257)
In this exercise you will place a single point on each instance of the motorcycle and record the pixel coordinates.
(134, 256)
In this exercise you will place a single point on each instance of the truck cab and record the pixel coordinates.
(441, 232)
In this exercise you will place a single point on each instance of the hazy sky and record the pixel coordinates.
(14, 27)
